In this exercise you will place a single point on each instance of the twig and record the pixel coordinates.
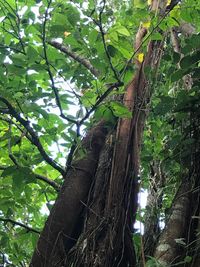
(12, 48)
(11, 156)
(83, 61)
(66, 81)
(17, 21)
(101, 98)
(55, 90)
(28, 228)
(39, 177)
(70, 156)
(99, 24)
(34, 138)
(47, 180)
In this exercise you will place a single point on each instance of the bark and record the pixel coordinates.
(107, 236)
(183, 223)
(196, 253)
(193, 241)
(106, 239)
(169, 250)
(59, 232)
(153, 208)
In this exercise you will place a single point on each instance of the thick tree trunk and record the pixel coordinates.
(153, 208)
(169, 250)
(60, 229)
(179, 238)
(107, 236)
(106, 239)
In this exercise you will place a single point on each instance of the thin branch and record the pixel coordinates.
(2, 168)
(55, 90)
(66, 81)
(101, 98)
(28, 228)
(172, 4)
(34, 138)
(100, 25)
(70, 156)
(83, 61)
(11, 156)
(47, 180)
(17, 21)
(39, 177)
(12, 48)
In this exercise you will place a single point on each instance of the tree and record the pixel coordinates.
(98, 101)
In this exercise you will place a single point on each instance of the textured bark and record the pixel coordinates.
(107, 236)
(153, 207)
(196, 251)
(168, 250)
(59, 232)
(193, 241)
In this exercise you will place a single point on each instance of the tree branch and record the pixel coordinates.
(83, 61)
(100, 25)
(39, 177)
(48, 181)
(34, 138)
(101, 98)
(28, 228)
(55, 90)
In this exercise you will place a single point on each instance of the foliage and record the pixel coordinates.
(56, 95)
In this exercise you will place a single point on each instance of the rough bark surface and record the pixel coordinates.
(59, 234)
(107, 236)
(169, 250)
(154, 204)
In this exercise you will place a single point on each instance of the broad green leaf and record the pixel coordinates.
(120, 110)
(177, 75)
(156, 36)
(188, 61)
(32, 53)
(122, 30)
(89, 98)
(111, 50)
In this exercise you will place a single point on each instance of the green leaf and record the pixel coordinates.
(176, 57)
(156, 36)
(126, 53)
(177, 75)
(73, 15)
(104, 112)
(122, 30)
(60, 19)
(111, 50)
(188, 259)
(188, 61)
(32, 53)
(120, 110)
(89, 98)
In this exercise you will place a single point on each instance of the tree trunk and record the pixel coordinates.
(60, 230)
(112, 170)
(153, 208)
(169, 250)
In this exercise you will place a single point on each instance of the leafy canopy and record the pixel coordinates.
(55, 94)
